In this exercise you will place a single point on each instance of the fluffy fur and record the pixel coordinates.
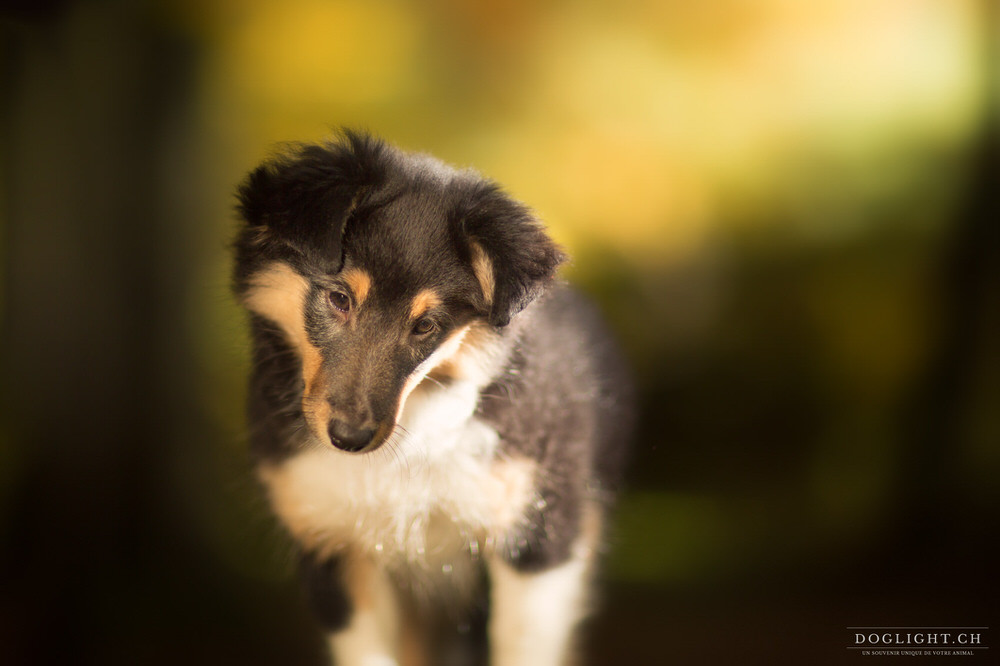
(437, 422)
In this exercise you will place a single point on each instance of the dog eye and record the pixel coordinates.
(340, 300)
(423, 326)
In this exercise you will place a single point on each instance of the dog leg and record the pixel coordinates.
(371, 636)
(533, 614)
(534, 611)
(355, 603)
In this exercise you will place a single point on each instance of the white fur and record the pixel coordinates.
(430, 502)
(428, 483)
(425, 496)
(533, 614)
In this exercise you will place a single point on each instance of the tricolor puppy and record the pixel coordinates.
(438, 423)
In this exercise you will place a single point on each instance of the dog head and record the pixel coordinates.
(375, 265)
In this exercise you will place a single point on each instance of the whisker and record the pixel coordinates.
(436, 381)
(397, 439)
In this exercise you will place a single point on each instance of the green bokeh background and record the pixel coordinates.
(788, 212)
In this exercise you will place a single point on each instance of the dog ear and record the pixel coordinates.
(304, 199)
(512, 256)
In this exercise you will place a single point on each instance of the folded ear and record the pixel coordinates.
(511, 255)
(304, 199)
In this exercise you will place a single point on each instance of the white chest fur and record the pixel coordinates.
(435, 490)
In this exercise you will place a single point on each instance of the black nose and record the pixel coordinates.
(348, 437)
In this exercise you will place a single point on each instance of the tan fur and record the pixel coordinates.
(360, 283)
(373, 633)
(411, 644)
(359, 574)
(482, 267)
(511, 488)
(470, 360)
(290, 501)
(591, 531)
(425, 301)
(315, 407)
(278, 293)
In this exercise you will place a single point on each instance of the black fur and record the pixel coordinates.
(323, 584)
(514, 241)
(275, 394)
(559, 396)
(296, 207)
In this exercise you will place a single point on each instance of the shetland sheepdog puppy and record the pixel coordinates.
(438, 422)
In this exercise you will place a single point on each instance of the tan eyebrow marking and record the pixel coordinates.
(424, 301)
(482, 267)
(360, 283)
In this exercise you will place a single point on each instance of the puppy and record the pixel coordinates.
(437, 421)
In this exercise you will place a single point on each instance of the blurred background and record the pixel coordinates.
(788, 211)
